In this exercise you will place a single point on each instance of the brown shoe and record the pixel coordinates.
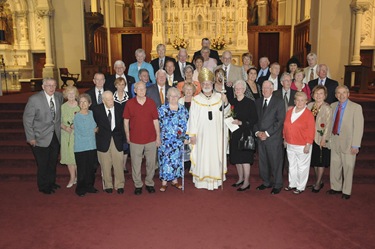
(163, 188)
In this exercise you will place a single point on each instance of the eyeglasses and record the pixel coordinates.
(51, 86)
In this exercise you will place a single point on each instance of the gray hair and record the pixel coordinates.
(239, 82)
(136, 85)
(119, 63)
(172, 90)
(283, 76)
(160, 45)
(140, 51)
(188, 67)
(160, 71)
(320, 66)
(312, 55)
(342, 86)
(142, 70)
(49, 79)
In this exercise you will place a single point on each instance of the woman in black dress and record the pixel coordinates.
(252, 91)
(245, 116)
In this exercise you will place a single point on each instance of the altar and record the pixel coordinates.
(191, 20)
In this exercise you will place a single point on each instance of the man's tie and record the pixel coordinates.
(161, 96)
(161, 64)
(110, 118)
(100, 97)
(286, 101)
(321, 83)
(335, 130)
(170, 82)
(225, 73)
(265, 106)
(263, 73)
(312, 74)
(52, 108)
(183, 70)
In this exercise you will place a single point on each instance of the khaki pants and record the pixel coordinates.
(136, 153)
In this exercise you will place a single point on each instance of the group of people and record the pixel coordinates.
(163, 109)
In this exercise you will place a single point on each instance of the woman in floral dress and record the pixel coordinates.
(173, 119)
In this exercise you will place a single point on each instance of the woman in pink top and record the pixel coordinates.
(299, 132)
(298, 85)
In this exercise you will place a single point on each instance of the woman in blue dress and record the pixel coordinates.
(173, 119)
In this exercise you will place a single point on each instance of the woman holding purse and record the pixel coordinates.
(245, 116)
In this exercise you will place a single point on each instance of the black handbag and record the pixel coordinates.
(246, 142)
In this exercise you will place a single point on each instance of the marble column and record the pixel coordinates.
(262, 12)
(48, 70)
(358, 7)
(138, 14)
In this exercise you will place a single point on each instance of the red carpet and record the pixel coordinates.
(194, 219)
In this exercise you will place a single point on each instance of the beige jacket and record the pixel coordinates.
(324, 118)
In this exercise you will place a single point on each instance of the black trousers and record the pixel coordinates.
(86, 166)
(46, 160)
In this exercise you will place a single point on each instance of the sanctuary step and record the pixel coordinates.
(17, 161)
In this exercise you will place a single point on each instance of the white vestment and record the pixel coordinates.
(206, 155)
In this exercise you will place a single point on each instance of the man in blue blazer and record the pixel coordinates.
(41, 121)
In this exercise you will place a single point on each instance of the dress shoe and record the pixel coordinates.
(120, 191)
(70, 184)
(55, 186)
(243, 189)
(126, 171)
(314, 190)
(108, 190)
(92, 190)
(150, 189)
(81, 194)
(138, 191)
(289, 188)
(333, 192)
(236, 185)
(345, 196)
(275, 191)
(262, 187)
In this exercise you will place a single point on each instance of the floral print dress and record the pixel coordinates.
(172, 133)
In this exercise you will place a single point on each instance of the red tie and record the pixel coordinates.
(335, 129)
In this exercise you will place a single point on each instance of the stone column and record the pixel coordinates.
(138, 13)
(262, 12)
(281, 12)
(23, 29)
(358, 7)
(48, 70)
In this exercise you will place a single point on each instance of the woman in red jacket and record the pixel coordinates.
(299, 131)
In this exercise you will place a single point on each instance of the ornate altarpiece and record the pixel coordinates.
(193, 20)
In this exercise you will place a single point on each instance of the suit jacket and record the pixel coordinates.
(153, 93)
(264, 78)
(37, 119)
(104, 134)
(133, 71)
(155, 63)
(267, 74)
(351, 130)
(110, 82)
(94, 101)
(272, 120)
(279, 93)
(213, 54)
(235, 72)
(331, 88)
(177, 71)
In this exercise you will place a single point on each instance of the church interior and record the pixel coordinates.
(47, 38)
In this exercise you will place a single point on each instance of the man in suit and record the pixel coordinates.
(232, 72)
(322, 71)
(172, 77)
(274, 77)
(109, 142)
(264, 70)
(41, 121)
(96, 92)
(119, 67)
(213, 53)
(181, 63)
(311, 72)
(285, 92)
(159, 63)
(158, 91)
(268, 129)
(347, 132)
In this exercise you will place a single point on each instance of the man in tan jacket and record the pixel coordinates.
(347, 132)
